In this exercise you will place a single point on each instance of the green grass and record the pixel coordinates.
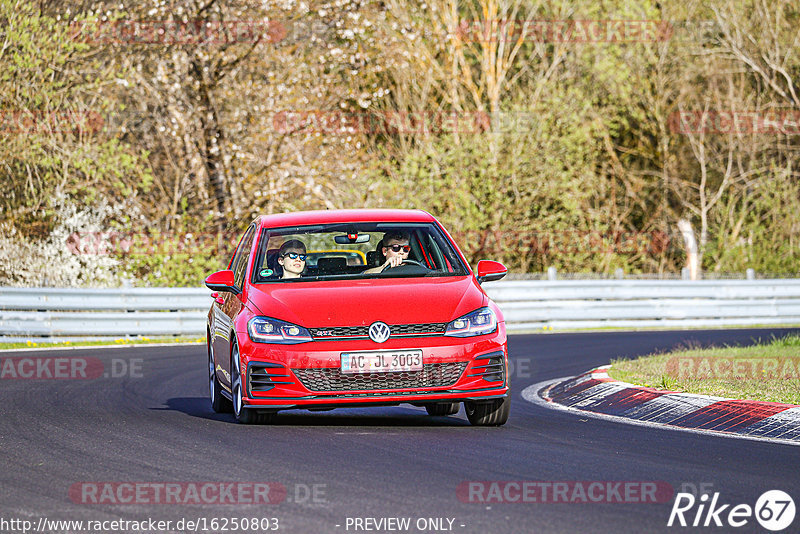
(768, 371)
(30, 344)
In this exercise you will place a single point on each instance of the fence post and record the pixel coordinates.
(692, 258)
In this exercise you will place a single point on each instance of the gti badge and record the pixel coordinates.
(379, 332)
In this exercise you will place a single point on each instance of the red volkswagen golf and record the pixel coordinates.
(327, 309)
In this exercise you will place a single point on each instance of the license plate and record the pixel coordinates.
(382, 362)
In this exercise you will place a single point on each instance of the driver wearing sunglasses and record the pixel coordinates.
(292, 257)
(395, 249)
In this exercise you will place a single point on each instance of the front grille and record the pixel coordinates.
(408, 330)
(339, 331)
(424, 328)
(332, 379)
(265, 376)
(490, 367)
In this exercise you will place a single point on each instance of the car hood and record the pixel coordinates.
(362, 302)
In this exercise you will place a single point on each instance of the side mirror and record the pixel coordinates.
(489, 271)
(222, 281)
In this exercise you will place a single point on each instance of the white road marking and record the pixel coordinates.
(531, 394)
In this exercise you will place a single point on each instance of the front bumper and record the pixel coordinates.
(307, 375)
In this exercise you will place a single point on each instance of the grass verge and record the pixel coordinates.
(768, 371)
(30, 344)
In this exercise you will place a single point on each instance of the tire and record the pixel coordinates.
(443, 408)
(242, 415)
(492, 413)
(218, 402)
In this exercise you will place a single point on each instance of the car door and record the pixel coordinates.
(231, 306)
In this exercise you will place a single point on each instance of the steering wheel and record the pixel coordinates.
(408, 267)
(405, 262)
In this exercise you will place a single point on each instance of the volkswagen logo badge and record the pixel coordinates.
(379, 332)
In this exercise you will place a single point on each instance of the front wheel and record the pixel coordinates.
(242, 415)
(491, 413)
(218, 403)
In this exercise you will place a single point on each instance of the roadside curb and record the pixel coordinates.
(594, 391)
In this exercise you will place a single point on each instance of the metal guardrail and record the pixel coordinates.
(27, 313)
(67, 313)
(137, 299)
(529, 305)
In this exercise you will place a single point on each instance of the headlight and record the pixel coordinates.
(268, 330)
(482, 321)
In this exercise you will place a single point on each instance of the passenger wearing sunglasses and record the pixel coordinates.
(292, 257)
(395, 249)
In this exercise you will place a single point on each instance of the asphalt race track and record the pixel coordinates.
(149, 421)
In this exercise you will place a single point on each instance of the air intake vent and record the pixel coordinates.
(490, 367)
(265, 376)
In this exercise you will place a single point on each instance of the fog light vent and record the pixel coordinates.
(265, 376)
(491, 367)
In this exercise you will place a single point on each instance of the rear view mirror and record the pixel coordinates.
(348, 239)
(222, 281)
(488, 271)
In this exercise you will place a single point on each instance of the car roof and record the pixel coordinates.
(343, 216)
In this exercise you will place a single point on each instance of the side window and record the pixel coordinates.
(434, 255)
(239, 264)
(238, 252)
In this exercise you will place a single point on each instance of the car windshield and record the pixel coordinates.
(354, 251)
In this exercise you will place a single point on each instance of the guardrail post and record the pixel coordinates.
(619, 274)
(552, 273)
(751, 274)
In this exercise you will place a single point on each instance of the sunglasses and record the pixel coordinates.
(294, 256)
(398, 248)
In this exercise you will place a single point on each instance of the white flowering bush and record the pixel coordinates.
(68, 257)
